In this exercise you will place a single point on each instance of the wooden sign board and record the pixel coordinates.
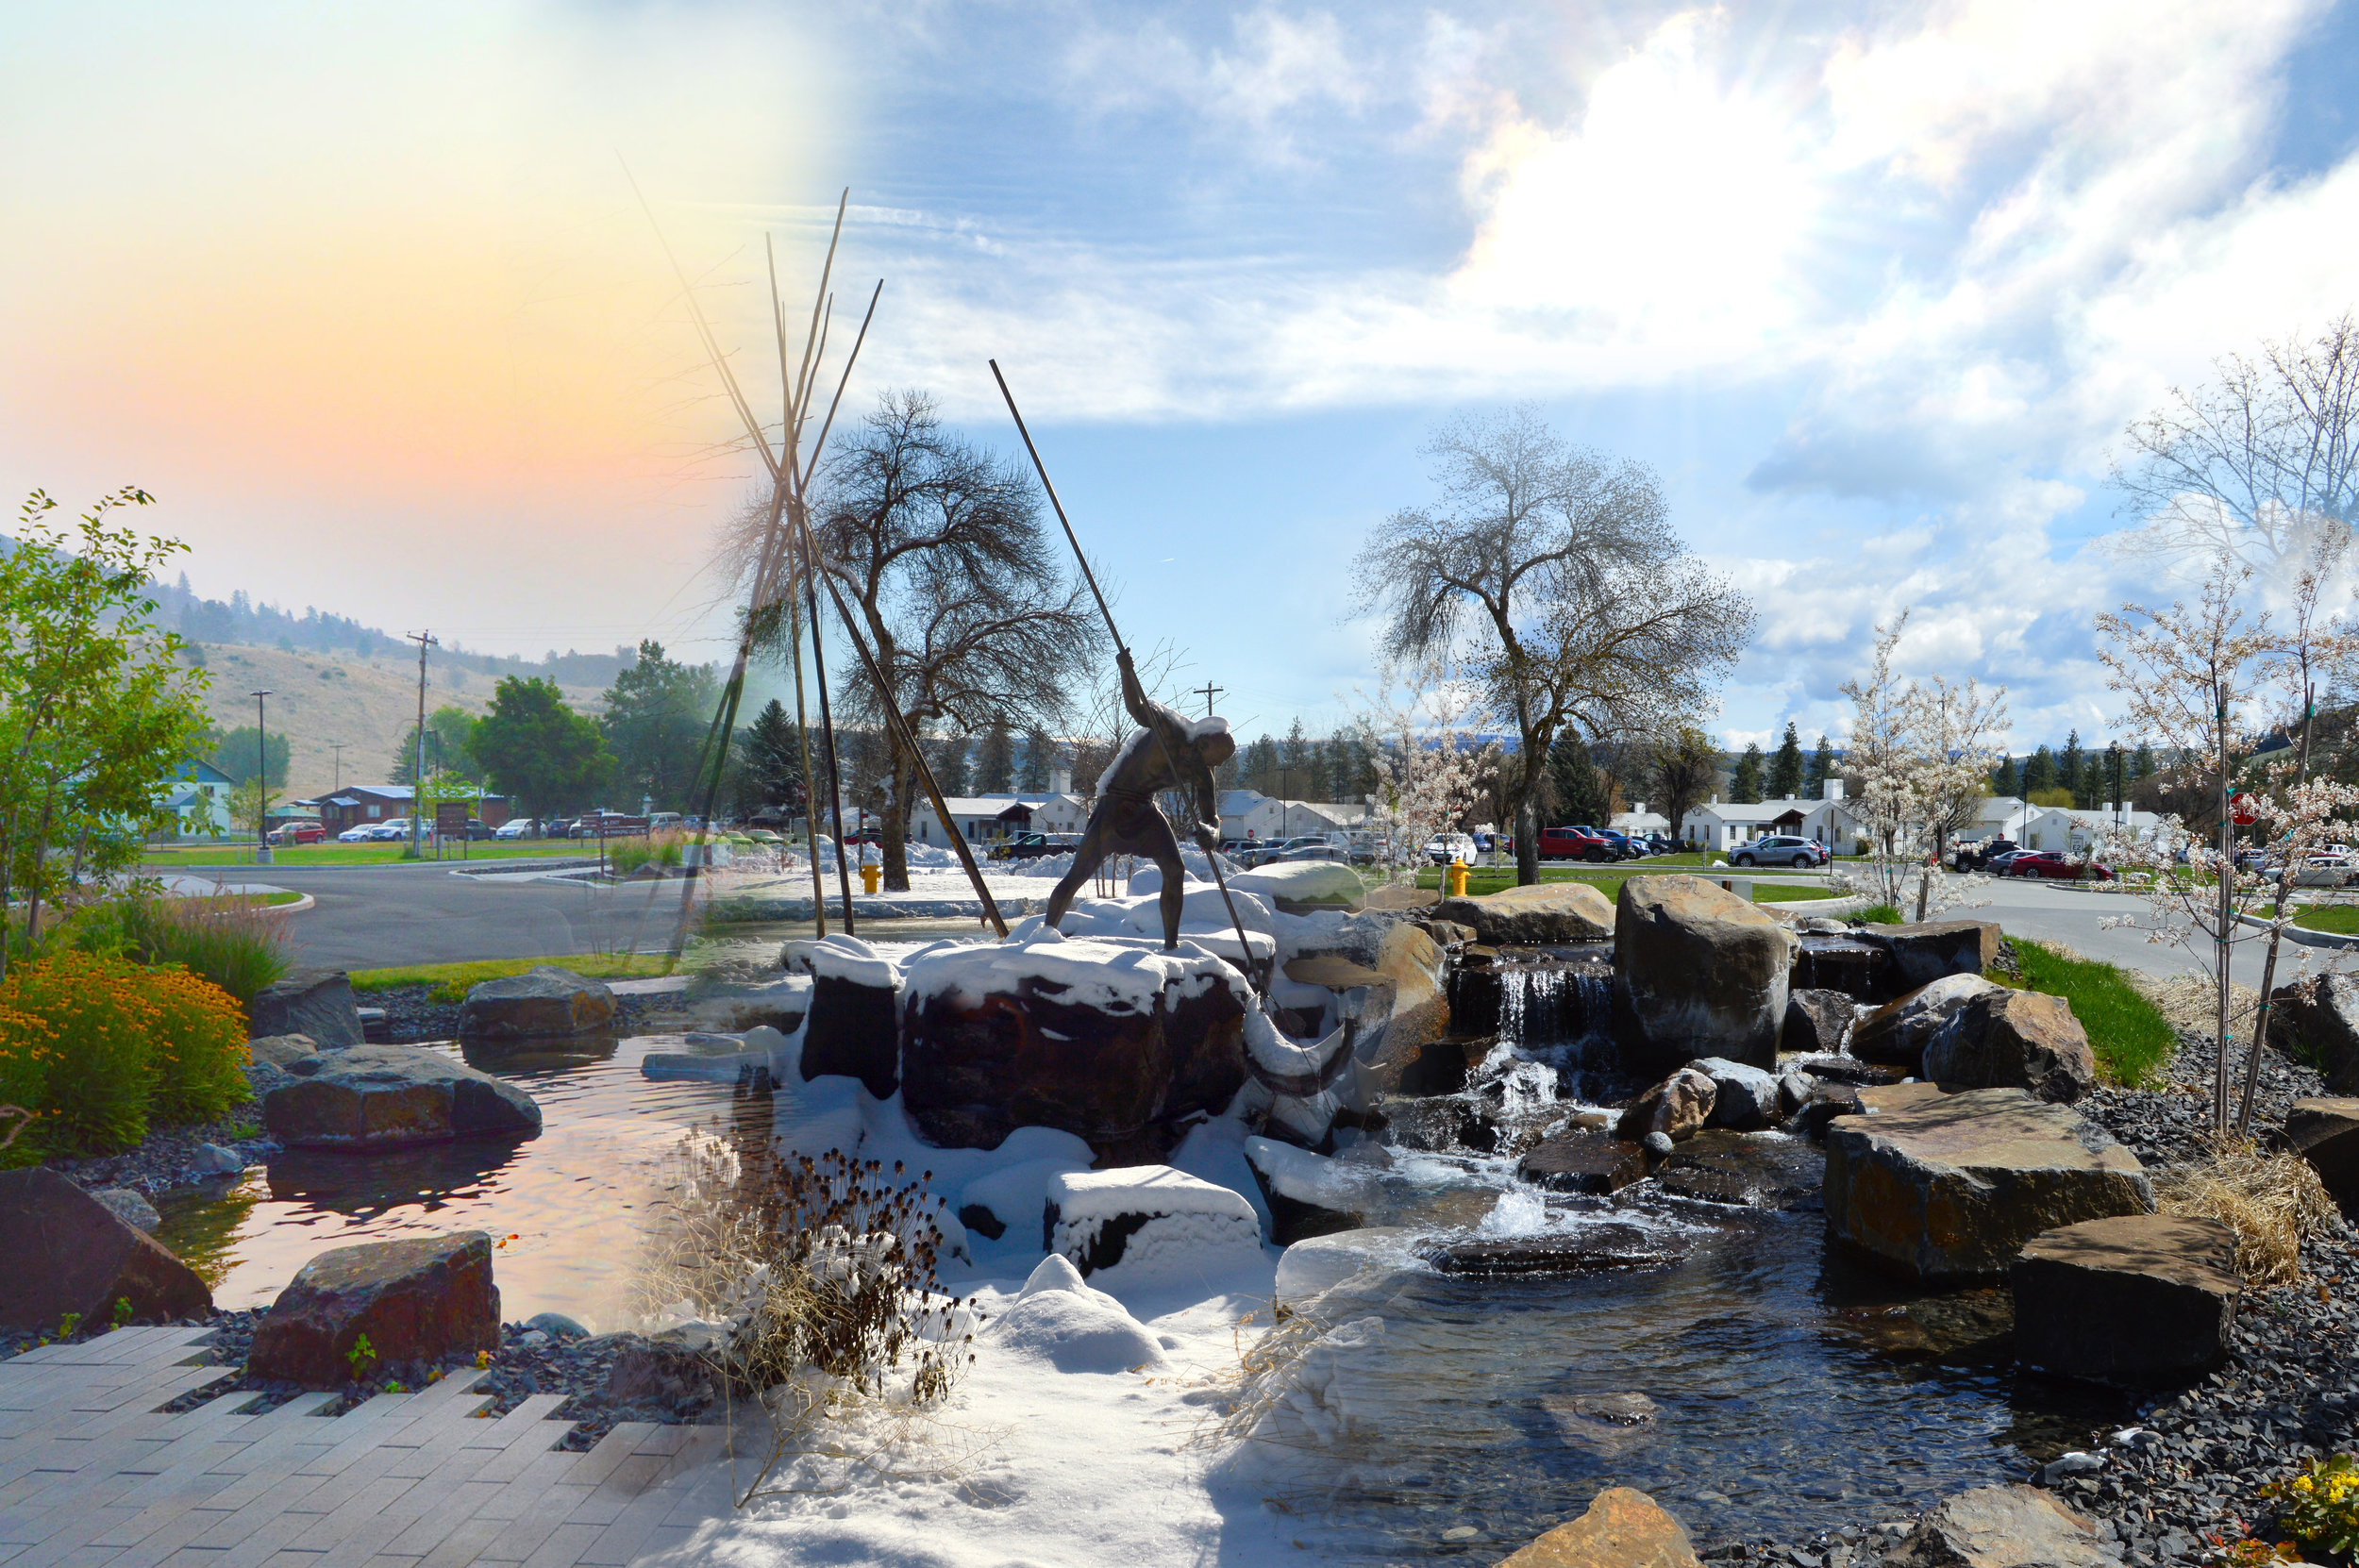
(450, 818)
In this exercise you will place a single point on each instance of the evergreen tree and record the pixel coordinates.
(2071, 764)
(1577, 784)
(949, 758)
(1262, 767)
(2004, 779)
(1822, 768)
(2039, 773)
(768, 763)
(995, 763)
(1786, 768)
(2142, 762)
(1294, 764)
(1745, 785)
(1039, 759)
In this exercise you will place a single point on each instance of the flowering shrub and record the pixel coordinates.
(2321, 1505)
(92, 1046)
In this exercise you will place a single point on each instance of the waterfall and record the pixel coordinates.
(1552, 1004)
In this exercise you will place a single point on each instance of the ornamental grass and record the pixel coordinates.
(2271, 1201)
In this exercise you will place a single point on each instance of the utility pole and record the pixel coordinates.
(261, 782)
(338, 747)
(425, 640)
(1210, 690)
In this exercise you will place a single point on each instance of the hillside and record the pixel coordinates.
(320, 699)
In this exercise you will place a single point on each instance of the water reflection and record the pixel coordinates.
(574, 1198)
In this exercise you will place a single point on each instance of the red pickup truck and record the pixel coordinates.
(1575, 843)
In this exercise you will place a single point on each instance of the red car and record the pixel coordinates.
(2050, 863)
(1575, 843)
(298, 832)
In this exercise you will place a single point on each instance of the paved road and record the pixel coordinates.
(2048, 912)
(374, 917)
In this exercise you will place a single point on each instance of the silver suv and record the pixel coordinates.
(1779, 850)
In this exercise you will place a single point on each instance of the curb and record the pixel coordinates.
(1826, 906)
(2307, 937)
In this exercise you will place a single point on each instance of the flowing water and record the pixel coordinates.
(568, 1206)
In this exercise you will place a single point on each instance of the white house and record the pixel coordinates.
(1639, 820)
(1719, 824)
(981, 819)
(1270, 817)
(2069, 831)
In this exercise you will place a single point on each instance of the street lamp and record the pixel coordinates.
(261, 782)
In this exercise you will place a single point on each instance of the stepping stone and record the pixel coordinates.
(1621, 1528)
(416, 1301)
(1590, 1160)
(2003, 1527)
(313, 1002)
(1542, 914)
(2140, 1299)
(545, 1002)
(1950, 1188)
(370, 1097)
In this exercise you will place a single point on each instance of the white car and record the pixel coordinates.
(521, 828)
(1443, 848)
(361, 834)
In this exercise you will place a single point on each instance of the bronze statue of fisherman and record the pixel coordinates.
(1172, 752)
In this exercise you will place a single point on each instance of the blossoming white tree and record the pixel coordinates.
(1921, 750)
(1429, 769)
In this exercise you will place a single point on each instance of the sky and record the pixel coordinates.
(368, 298)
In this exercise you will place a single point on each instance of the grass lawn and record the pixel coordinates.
(2129, 1037)
(451, 981)
(2339, 919)
(172, 859)
(269, 901)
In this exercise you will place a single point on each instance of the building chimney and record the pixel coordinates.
(1061, 779)
(1832, 789)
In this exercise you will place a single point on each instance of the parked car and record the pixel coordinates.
(517, 828)
(1978, 856)
(1998, 862)
(1026, 846)
(2050, 862)
(298, 832)
(478, 830)
(360, 832)
(1443, 848)
(1624, 849)
(1575, 844)
(666, 821)
(1321, 851)
(1778, 849)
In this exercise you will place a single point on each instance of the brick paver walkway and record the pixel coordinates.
(92, 1474)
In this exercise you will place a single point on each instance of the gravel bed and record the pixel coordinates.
(172, 1158)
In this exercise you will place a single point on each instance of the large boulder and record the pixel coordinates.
(2315, 1019)
(1678, 1107)
(1304, 887)
(1110, 1038)
(1621, 1528)
(1415, 963)
(2003, 1527)
(2325, 1132)
(1897, 1032)
(1818, 1021)
(1542, 913)
(2015, 1040)
(1744, 1098)
(313, 1002)
(1587, 1159)
(69, 1254)
(543, 1002)
(1924, 951)
(2139, 1299)
(279, 1050)
(418, 1301)
(853, 1027)
(371, 1098)
(1697, 972)
(1952, 1186)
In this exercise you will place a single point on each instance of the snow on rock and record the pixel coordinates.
(1318, 1264)
(1073, 1328)
(1317, 1401)
(1299, 884)
(1151, 1222)
(1015, 1195)
(1105, 975)
(838, 957)
(1198, 871)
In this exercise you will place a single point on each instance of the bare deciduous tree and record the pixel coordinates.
(1686, 765)
(2256, 465)
(1553, 572)
(940, 552)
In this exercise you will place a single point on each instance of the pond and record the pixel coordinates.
(567, 1207)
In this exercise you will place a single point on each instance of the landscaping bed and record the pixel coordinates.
(428, 1011)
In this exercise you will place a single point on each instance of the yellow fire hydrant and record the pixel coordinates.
(1455, 875)
(869, 876)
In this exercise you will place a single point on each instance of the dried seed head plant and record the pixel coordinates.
(822, 1272)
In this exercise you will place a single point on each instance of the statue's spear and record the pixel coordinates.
(1244, 944)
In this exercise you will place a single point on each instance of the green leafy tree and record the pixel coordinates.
(1786, 768)
(1745, 784)
(234, 754)
(536, 750)
(1039, 761)
(769, 764)
(995, 761)
(97, 709)
(448, 730)
(657, 715)
(1822, 768)
(249, 808)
